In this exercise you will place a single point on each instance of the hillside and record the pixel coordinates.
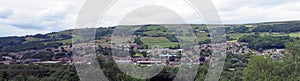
(47, 52)
(150, 32)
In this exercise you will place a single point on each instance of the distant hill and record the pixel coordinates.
(274, 22)
(54, 39)
(40, 41)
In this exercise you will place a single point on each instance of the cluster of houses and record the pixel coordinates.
(158, 56)
(274, 53)
(176, 57)
(56, 55)
(165, 57)
(238, 48)
(241, 48)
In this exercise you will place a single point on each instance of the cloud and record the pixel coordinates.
(56, 15)
(122, 8)
(5, 12)
(150, 15)
(249, 11)
(8, 30)
(56, 12)
(230, 11)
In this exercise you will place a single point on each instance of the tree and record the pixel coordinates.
(261, 43)
(144, 53)
(19, 77)
(293, 49)
(262, 68)
(138, 41)
(258, 69)
(292, 59)
(3, 76)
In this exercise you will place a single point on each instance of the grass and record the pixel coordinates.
(232, 41)
(272, 34)
(31, 39)
(294, 34)
(162, 41)
(67, 41)
(155, 28)
(157, 32)
(236, 36)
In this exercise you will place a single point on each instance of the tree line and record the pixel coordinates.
(261, 43)
(264, 68)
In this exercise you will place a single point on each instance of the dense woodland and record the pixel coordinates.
(261, 43)
(284, 28)
(263, 68)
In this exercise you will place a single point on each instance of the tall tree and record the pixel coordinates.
(292, 59)
(258, 69)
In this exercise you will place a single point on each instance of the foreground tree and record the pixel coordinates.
(292, 60)
(263, 68)
(258, 69)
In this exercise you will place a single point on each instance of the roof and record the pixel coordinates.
(48, 62)
(123, 61)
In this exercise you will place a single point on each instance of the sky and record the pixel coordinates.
(28, 17)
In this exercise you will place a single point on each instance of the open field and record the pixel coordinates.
(273, 34)
(236, 36)
(31, 39)
(294, 34)
(162, 41)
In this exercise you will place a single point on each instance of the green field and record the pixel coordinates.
(295, 34)
(236, 36)
(162, 41)
(31, 39)
(272, 34)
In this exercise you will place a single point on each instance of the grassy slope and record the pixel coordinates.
(162, 41)
(294, 34)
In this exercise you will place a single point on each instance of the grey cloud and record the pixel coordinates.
(5, 12)
(58, 15)
(152, 15)
(231, 5)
